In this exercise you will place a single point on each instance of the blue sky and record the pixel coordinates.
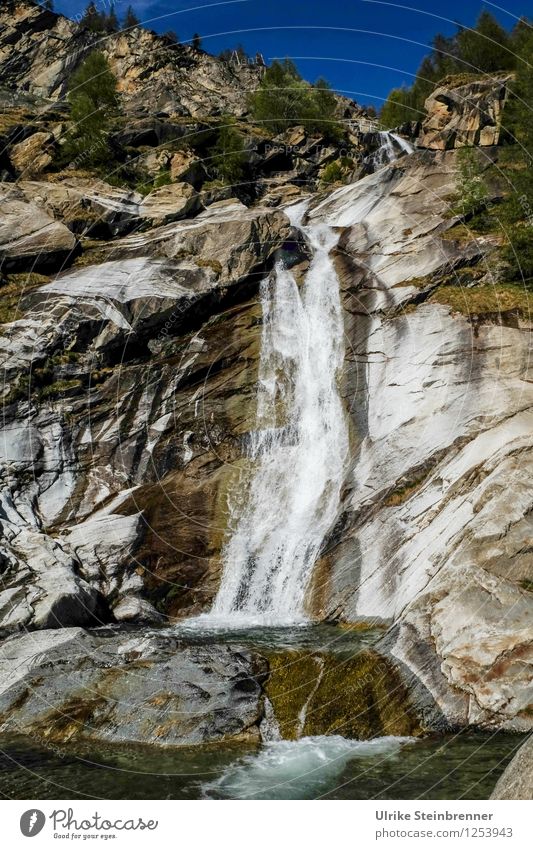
(363, 47)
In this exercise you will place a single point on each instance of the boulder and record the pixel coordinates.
(464, 113)
(185, 166)
(170, 203)
(30, 238)
(516, 782)
(89, 207)
(112, 687)
(32, 156)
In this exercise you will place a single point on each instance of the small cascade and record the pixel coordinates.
(269, 728)
(297, 769)
(299, 447)
(391, 147)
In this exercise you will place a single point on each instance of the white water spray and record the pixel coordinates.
(299, 448)
(391, 147)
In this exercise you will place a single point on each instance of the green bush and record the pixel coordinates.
(518, 254)
(473, 191)
(398, 108)
(337, 171)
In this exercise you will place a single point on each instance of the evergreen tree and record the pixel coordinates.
(111, 21)
(518, 208)
(171, 36)
(92, 18)
(93, 100)
(196, 41)
(485, 49)
(398, 108)
(130, 19)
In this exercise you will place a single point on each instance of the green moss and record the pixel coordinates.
(214, 264)
(456, 80)
(359, 697)
(486, 299)
(60, 387)
(527, 585)
(16, 287)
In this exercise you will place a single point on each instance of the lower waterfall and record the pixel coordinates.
(299, 446)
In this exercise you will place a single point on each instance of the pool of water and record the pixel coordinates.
(464, 766)
(329, 639)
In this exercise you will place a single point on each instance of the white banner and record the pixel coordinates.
(267, 825)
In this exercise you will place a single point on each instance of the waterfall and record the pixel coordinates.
(298, 449)
(391, 146)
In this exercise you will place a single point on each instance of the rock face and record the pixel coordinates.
(39, 50)
(460, 114)
(517, 780)
(71, 685)
(166, 411)
(442, 412)
(29, 238)
(129, 402)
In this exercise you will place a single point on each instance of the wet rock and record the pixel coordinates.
(441, 414)
(71, 685)
(360, 697)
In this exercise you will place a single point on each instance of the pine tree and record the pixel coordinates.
(92, 18)
(130, 19)
(171, 36)
(111, 21)
(486, 48)
(196, 41)
(93, 99)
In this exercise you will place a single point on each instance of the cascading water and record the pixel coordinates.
(299, 447)
(390, 147)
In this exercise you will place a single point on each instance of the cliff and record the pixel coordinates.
(131, 339)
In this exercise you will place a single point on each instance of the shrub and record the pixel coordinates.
(473, 192)
(226, 160)
(398, 108)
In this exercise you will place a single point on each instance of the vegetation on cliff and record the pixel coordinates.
(285, 100)
(485, 49)
(93, 100)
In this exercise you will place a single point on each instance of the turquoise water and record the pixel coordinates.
(465, 766)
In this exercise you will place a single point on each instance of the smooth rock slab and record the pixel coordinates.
(517, 780)
(110, 686)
